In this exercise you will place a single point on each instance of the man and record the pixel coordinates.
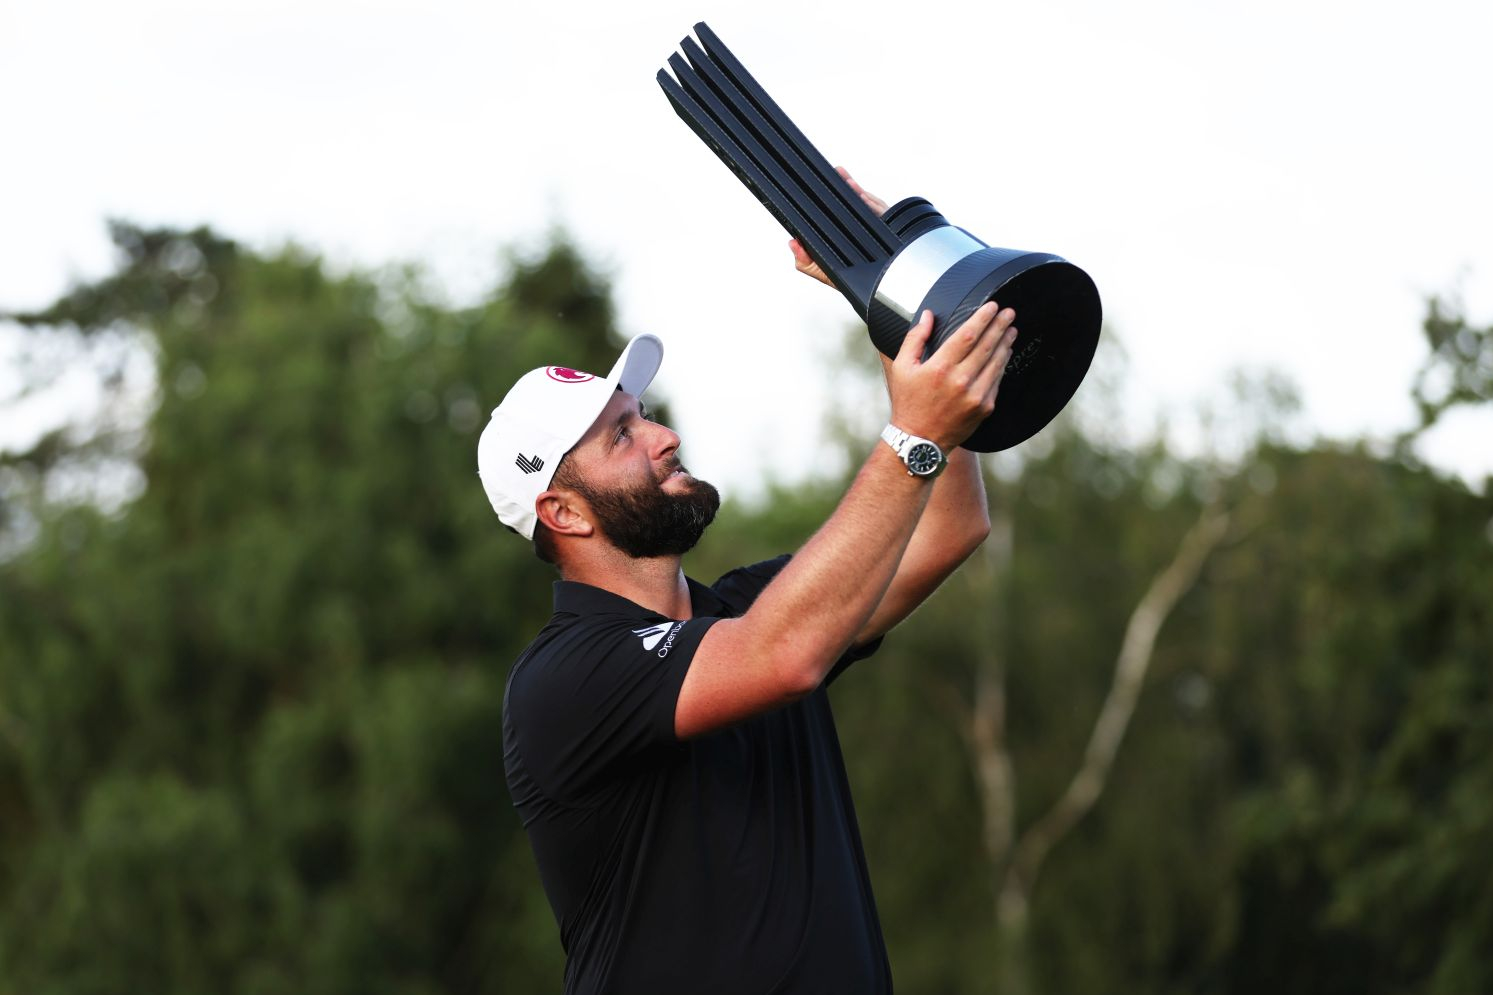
(669, 746)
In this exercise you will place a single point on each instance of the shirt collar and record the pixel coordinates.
(575, 598)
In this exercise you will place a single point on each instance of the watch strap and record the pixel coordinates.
(895, 437)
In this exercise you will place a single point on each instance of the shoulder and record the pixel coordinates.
(567, 649)
(591, 692)
(740, 587)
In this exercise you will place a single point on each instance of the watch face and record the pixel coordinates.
(924, 458)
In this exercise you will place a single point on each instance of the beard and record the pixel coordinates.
(647, 521)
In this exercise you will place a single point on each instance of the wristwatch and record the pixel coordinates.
(923, 458)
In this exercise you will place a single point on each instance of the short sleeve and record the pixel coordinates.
(852, 655)
(597, 695)
(740, 587)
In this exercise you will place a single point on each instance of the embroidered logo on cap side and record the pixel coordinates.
(529, 465)
(565, 374)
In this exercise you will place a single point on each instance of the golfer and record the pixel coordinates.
(669, 744)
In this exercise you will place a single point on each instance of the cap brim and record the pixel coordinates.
(638, 364)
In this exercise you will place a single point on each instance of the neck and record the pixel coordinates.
(656, 583)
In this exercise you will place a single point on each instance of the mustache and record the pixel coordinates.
(670, 465)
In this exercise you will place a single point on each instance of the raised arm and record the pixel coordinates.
(957, 519)
(802, 622)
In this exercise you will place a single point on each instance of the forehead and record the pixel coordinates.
(618, 408)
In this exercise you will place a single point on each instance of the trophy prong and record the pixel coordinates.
(683, 95)
(774, 186)
(816, 200)
(736, 119)
(885, 242)
(753, 134)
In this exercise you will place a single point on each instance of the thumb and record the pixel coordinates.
(916, 340)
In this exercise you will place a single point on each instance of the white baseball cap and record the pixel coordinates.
(542, 417)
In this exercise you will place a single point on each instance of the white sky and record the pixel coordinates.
(1271, 184)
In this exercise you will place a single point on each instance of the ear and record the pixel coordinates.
(563, 513)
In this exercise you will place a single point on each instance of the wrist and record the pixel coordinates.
(925, 424)
(920, 456)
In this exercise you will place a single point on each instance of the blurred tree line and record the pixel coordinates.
(255, 627)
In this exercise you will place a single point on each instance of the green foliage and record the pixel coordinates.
(1303, 800)
(1459, 367)
(251, 719)
(250, 706)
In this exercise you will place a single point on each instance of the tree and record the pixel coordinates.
(1457, 369)
(250, 713)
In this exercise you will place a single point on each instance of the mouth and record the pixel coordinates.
(671, 471)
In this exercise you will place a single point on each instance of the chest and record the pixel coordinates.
(774, 763)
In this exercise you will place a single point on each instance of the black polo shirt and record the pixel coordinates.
(728, 863)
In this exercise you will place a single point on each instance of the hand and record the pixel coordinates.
(946, 398)
(801, 259)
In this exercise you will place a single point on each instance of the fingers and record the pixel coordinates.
(950, 394)
(974, 341)
(994, 333)
(989, 378)
(805, 264)
(875, 203)
(916, 340)
(986, 341)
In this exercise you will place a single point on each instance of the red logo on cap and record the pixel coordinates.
(565, 374)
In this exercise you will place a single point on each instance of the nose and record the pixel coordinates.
(664, 441)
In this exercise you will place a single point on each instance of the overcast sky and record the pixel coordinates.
(1251, 185)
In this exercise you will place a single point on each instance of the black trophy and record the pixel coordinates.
(892, 268)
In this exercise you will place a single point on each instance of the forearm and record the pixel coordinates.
(813, 610)
(955, 522)
(957, 517)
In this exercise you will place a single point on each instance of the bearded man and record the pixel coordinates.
(668, 744)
